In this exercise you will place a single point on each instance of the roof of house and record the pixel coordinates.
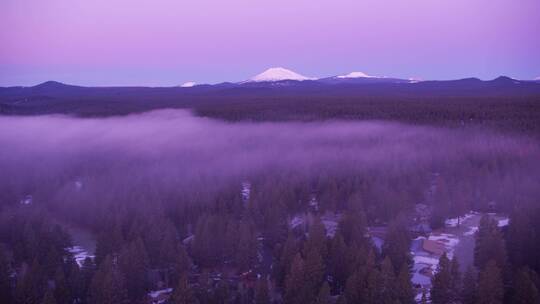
(433, 247)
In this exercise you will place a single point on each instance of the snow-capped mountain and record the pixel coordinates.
(278, 74)
(188, 84)
(356, 75)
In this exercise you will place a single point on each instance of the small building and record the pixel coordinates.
(433, 247)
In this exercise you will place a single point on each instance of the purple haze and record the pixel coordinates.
(121, 42)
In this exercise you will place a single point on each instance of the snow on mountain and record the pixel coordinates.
(278, 74)
(537, 78)
(188, 84)
(356, 75)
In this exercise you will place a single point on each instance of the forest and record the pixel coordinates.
(185, 208)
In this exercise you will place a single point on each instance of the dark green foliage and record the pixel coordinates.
(468, 291)
(323, 297)
(183, 294)
(262, 295)
(490, 244)
(490, 285)
(30, 284)
(6, 295)
(295, 291)
(441, 291)
(133, 263)
(49, 297)
(525, 290)
(108, 284)
(62, 291)
(397, 244)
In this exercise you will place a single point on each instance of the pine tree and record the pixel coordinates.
(324, 294)
(441, 292)
(62, 293)
(317, 239)
(108, 285)
(490, 244)
(182, 294)
(288, 253)
(133, 262)
(387, 291)
(294, 284)
(404, 286)
(490, 285)
(261, 294)
(88, 270)
(455, 281)
(313, 271)
(338, 265)
(468, 291)
(5, 278)
(525, 290)
(397, 245)
(353, 227)
(30, 285)
(49, 298)
(246, 253)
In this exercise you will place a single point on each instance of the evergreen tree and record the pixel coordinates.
(5, 278)
(339, 267)
(455, 281)
(313, 272)
(353, 226)
(262, 295)
(88, 270)
(404, 286)
(294, 285)
(108, 285)
(49, 298)
(246, 252)
(30, 285)
(441, 290)
(62, 292)
(316, 239)
(387, 291)
(468, 291)
(288, 253)
(490, 285)
(133, 262)
(324, 294)
(182, 294)
(397, 245)
(108, 242)
(490, 244)
(525, 290)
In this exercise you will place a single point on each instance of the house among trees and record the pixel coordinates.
(433, 247)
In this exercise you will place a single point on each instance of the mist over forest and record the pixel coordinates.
(172, 154)
(176, 205)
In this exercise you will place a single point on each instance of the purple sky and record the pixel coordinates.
(168, 42)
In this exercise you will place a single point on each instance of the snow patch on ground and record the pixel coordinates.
(472, 230)
(79, 254)
(453, 222)
(503, 222)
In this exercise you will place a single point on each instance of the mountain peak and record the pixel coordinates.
(188, 84)
(51, 84)
(278, 74)
(356, 75)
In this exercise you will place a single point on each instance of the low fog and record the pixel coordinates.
(171, 155)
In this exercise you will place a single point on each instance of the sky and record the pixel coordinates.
(169, 42)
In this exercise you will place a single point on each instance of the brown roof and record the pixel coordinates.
(433, 247)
